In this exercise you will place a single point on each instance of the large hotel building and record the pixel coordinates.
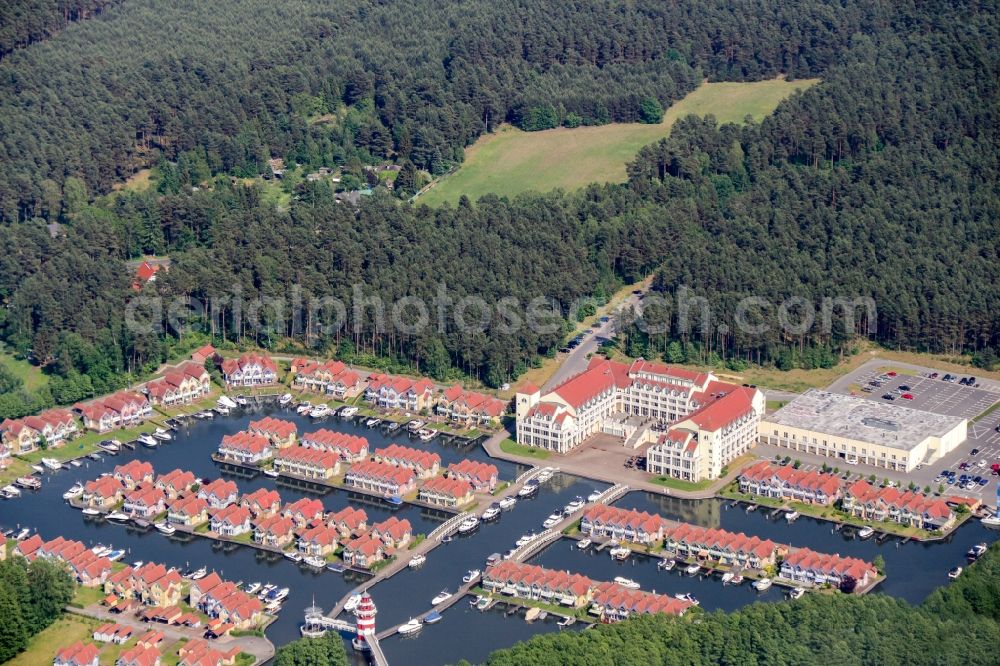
(696, 423)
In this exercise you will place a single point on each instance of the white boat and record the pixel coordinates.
(410, 627)
(416, 561)
(320, 411)
(199, 574)
(865, 532)
(278, 594)
(252, 588)
(955, 573)
(507, 503)
(100, 550)
(51, 463)
(75, 463)
(627, 582)
(162, 433)
(414, 426)
(523, 539)
(29, 482)
(574, 506)
(303, 407)
(242, 401)
(118, 516)
(352, 602)
(293, 556)
(137, 564)
(583, 544)
(23, 534)
(552, 520)
(75, 491)
(666, 564)
(112, 445)
(688, 597)
(619, 553)
(471, 575)
(372, 422)
(272, 607)
(532, 614)
(285, 399)
(594, 496)
(692, 569)
(10, 492)
(492, 512)
(273, 473)
(991, 521)
(426, 435)
(348, 411)
(115, 555)
(528, 490)
(166, 528)
(315, 561)
(727, 577)
(544, 475)
(89, 511)
(38, 468)
(226, 401)
(762, 584)
(97, 456)
(977, 551)
(737, 579)
(146, 439)
(468, 525)
(222, 410)
(791, 516)
(797, 592)
(266, 590)
(443, 596)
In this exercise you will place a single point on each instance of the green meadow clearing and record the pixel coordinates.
(511, 161)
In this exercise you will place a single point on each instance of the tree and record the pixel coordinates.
(13, 628)
(51, 589)
(650, 111)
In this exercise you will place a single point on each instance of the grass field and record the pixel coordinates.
(29, 374)
(510, 161)
(63, 632)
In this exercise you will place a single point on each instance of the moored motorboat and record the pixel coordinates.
(147, 440)
(293, 556)
(583, 544)
(992, 520)
(797, 592)
(728, 577)
(507, 503)
(544, 475)
(347, 412)
(432, 618)
(110, 445)
(75, 491)
(252, 588)
(426, 435)
(38, 468)
(273, 473)
(416, 561)
(471, 575)
(320, 411)
(594, 496)
(166, 528)
(314, 561)
(977, 551)
(51, 463)
(31, 482)
(575, 505)
(532, 614)
(285, 399)
(688, 597)
(242, 401)
(410, 627)
(552, 520)
(75, 463)
(373, 422)
(115, 555)
(226, 401)
(524, 538)
(492, 513)
(762, 584)
(414, 426)
(162, 435)
(865, 532)
(692, 569)
(620, 553)
(118, 516)
(791, 516)
(469, 525)
(955, 572)
(303, 407)
(442, 596)
(528, 490)
(666, 564)
(737, 579)
(10, 492)
(627, 582)
(90, 511)
(198, 574)
(352, 602)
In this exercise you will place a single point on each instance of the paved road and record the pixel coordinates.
(576, 360)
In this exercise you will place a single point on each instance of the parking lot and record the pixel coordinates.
(929, 395)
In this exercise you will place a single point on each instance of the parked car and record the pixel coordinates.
(983, 482)
(907, 396)
(933, 375)
(888, 396)
(904, 387)
(974, 452)
(963, 465)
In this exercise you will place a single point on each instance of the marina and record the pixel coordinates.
(407, 594)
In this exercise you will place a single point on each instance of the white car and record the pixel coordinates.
(982, 463)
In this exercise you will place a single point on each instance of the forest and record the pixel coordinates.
(24, 22)
(32, 596)
(955, 625)
(880, 182)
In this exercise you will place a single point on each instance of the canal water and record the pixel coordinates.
(914, 569)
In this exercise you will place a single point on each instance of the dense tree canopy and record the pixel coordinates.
(32, 596)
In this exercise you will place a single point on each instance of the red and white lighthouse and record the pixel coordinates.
(365, 612)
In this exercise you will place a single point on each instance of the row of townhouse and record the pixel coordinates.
(152, 584)
(807, 566)
(105, 492)
(145, 502)
(53, 426)
(139, 655)
(191, 509)
(245, 448)
(306, 463)
(615, 603)
(249, 370)
(182, 385)
(704, 423)
(530, 581)
(113, 633)
(423, 463)
(224, 601)
(280, 530)
(89, 569)
(349, 448)
(446, 491)
(402, 393)
(469, 407)
(199, 652)
(329, 377)
(237, 519)
(787, 483)
(262, 502)
(906, 507)
(280, 433)
(77, 654)
(734, 549)
(481, 476)
(380, 478)
(601, 520)
(118, 410)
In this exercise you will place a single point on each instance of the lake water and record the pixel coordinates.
(914, 569)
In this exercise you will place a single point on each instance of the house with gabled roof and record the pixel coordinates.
(809, 486)
(102, 493)
(262, 502)
(273, 530)
(134, 473)
(481, 476)
(190, 511)
(304, 511)
(231, 521)
(245, 448)
(219, 493)
(444, 491)
(363, 551)
(402, 393)
(348, 521)
(640, 527)
(249, 370)
(145, 502)
(279, 432)
(307, 463)
(423, 463)
(380, 478)
(77, 654)
(320, 540)
(175, 483)
(349, 448)
(394, 532)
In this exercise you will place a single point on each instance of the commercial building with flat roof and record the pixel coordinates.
(861, 430)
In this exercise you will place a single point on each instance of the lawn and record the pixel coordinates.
(29, 374)
(678, 484)
(63, 632)
(515, 449)
(511, 161)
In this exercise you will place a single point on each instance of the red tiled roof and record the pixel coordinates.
(234, 514)
(135, 469)
(350, 516)
(303, 455)
(474, 469)
(447, 486)
(251, 442)
(726, 407)
(418, 457)
(336, 441)
(383, 471)
(78, 653)
(307, 506)
(272, 426)
(626, 518)
(394, 527)
(191, 505)
(263, 497)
